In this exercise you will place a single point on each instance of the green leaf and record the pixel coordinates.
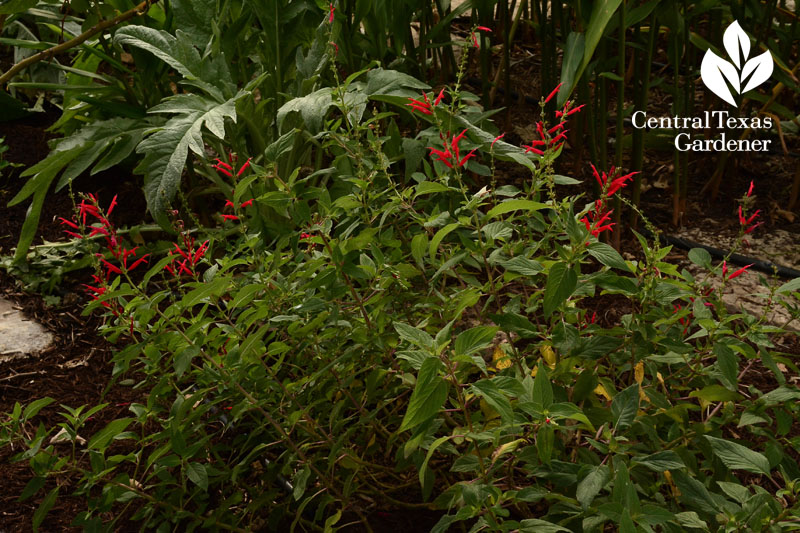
(591, 485)
(728, 365)
(715, 393)
(16, 6)
(661, 461)
(535, 525)
(690, 519)
(165, 150)
(571, 411)
(100, 440)
(561, 283)
(382, 82)
(514, 205)
(197, 474)
(489, 391)
(209, 73)
(602, 11)
(700, 257)
(430, 187)
(542, 394)
(474, 339)
(738, 457)
(415, 336)
(545, 438)
(428, 397)
(204, 291)
(312, 108)
(624, 407)
(33, 408)
(44, 508)
(522, 265)
(34, 485)
(441, 234)
(608, 256)
(419, 244)
(789, 286)
(573, 57)
(438, 442)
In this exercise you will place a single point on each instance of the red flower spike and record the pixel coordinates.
(68, 223)
(534, 150)
(110, 267)
(244, 167)
(248, 203)
(497, 139)
(111, 206)
(332, 9)
(574, 110)
(739, 272)
(439, 98)
(553, 92)
(136, 263)
(751, 228)
(223, 164)
(224, 171)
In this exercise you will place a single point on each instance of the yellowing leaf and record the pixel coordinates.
(549, 355)
(500, 358)
(668, 476)
(535, 370)
(660, 378)
(601, 391)
(639, 372)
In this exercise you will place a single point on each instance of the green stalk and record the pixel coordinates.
(644, 90)
(619, 132)
(602, 105)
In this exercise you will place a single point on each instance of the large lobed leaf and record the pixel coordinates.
(165, 151)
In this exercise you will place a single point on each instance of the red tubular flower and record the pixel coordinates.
(69, 223)
(228, 203)
(332, 9)
(553, 92)
(111, 206)
(111, 268)
(750, 190)
(248, 203)
(244, 167)
(497, 139)
(439, 98)
(451, 155)
(739, 272)
(484, 28)
(73, 234)
(574, 110)
(221, 163)
(230, 217)
(136, 263)
(220, 168)
(724, 268)
(423, 107)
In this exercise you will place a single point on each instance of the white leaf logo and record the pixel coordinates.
(741, 75)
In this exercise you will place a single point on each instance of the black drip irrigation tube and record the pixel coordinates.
(737, 259)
